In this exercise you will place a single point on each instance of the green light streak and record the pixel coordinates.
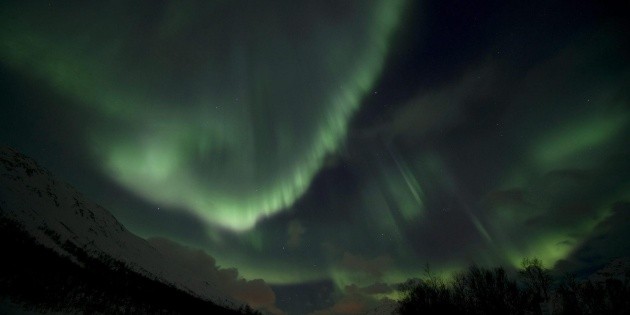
(571, 143)
(409, 212)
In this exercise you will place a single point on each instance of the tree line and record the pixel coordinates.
(534, 291)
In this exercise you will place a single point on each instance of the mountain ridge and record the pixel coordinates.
(58, 217)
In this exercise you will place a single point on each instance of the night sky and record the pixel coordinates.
(333, 148)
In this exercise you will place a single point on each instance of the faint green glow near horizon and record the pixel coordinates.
(577, 144)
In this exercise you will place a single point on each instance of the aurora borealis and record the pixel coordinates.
(239, 123)
(332, 148)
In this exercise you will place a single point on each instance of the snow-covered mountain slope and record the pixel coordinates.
(54, 213)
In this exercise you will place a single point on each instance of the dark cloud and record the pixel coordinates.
(376, 288)
(606, 242)
(202, 266)
(430, 115)
(508, 197)
(374, 267)
(295, 231)
(359, 300)
(305, 297)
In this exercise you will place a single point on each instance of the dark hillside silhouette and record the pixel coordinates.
(38, 278)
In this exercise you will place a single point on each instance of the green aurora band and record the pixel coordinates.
(238, 147)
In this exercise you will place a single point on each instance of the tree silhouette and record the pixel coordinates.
(475, 291)
(537, 278)
(478, 291)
